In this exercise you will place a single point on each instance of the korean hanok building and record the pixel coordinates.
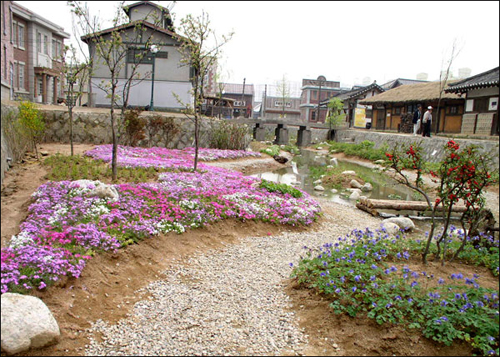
(390, 106)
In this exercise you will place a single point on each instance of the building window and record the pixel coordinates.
(54, 49)
(20, 68)
(314, 94)
(453, 110)
(469, 105)
(45, 44)
(278, 103)
(20, 36)
(14, 33)
(240, 103)
(5, 61)
(39, 42)
(313, 116)
(397, 111)
(493, 105)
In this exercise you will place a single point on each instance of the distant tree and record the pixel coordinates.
(336, 115)
(197, 52)
(444, 78)
(283, 91)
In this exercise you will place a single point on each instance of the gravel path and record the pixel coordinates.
(227, 301)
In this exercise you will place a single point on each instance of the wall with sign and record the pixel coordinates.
(359, 118)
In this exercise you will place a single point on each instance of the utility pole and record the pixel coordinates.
(243, 97)
(264, 102)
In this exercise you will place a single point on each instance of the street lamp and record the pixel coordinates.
(153, 50)
(320, 80)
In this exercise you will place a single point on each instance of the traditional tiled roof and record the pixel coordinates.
(356, 92)
(400, 82)
(481, 80)
(235, 88)
(420, 92)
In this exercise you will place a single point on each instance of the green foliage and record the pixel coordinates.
(363, 150)
(134, 126)
(336, 115)
(65, 167)
(280, 187)
(31, 122)
(229, 136)
(271, 150)
(293, 149)
(369, 272)
(17, 141)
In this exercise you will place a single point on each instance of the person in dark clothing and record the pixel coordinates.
(417, 119)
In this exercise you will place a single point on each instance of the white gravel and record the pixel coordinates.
(226, 301)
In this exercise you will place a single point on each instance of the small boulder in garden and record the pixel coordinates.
(26, 323)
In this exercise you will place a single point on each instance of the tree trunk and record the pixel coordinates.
(399, 205)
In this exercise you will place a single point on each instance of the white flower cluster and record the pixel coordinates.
(23, 238)
(97, 209)
(242, 202)
(59, 211)
(165, 226)
(186, 204)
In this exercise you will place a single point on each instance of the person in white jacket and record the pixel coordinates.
(426, 122)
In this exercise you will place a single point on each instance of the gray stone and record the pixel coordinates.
(367, 187)
(105, 191)
(349, 173)
(319, 188)
(391, 228)
(355, 184)
(404, 223)
(354, 196)
(26, 323)
(317, 182)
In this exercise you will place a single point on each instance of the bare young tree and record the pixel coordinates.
(283, 93)
(111, 52)
(202, 56)
(444, 78)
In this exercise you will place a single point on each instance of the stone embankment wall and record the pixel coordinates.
(433, 147)
(94, 128)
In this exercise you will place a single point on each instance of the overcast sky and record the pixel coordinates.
(350, 42)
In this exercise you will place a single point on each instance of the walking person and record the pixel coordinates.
(417, 119)
(426, 121)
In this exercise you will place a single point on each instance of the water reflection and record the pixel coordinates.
(299, 175)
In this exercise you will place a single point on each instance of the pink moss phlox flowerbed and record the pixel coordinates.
(165, 158)
(67, 223)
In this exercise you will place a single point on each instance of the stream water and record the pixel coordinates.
(299, 175)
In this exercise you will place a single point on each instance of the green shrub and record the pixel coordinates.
(134, 127)
(280, 187)
(31, 123)
(229, 136)
(271, 150)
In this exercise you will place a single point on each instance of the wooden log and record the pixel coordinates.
(363, 207)
(399, 205)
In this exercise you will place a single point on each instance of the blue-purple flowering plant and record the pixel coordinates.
(369, 272)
